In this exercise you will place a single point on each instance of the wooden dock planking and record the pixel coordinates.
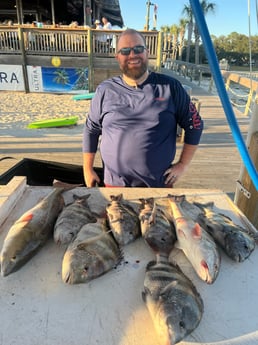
(216, 164)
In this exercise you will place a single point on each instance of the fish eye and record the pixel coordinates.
(86, 268)
(182, 324)
(13, 258)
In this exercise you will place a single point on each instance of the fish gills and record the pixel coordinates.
(156, 229)
(123, 220)
(198, 246)
(72, 218)
(232, 238)
(174, 304)
(30, 232)
(92, 253)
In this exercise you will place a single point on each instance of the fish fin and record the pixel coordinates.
(117, 197)
(83, 198)
(26, 217)
(197, 231)
(209, 205)
(180, 233)
(64, 185)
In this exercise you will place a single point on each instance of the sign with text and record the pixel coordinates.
(44, 79)
(11, 78)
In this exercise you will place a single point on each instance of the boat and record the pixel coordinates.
(58, 122)
(89, 95)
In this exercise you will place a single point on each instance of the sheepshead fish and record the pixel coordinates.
(174, 304)
(232, 238)
(123, 220)
(72, 218)
(156, 229)
(30, 232)
(198, 246)
(92, 253)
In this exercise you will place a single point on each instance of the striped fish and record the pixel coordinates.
(123, 220)
(174, 304)
(72, 218)
(92, 253)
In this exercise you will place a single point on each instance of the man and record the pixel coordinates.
(136, 115)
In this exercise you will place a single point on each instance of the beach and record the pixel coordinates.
(18, 109)
(60, 144)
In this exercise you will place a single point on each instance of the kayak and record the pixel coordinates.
(83, 96)
(58, 122)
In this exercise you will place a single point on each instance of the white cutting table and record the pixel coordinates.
(37, 308)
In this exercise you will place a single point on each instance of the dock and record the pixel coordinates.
(216, 164)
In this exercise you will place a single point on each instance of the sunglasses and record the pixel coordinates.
(127, 51)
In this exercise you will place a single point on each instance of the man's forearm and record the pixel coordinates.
(88, 161)
(187, 154)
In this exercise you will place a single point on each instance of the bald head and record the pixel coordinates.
(130, 32)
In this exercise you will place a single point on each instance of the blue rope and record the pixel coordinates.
(214, 66)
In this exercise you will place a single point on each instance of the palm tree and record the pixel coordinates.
(174, 31)
(181, 38)
(192, 26)
(166, 44)
(206, 8)
(187, 11)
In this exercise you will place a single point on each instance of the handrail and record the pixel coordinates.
(63, 40)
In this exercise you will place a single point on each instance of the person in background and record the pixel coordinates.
(101, 41)
(107, 26)
(98, 25)
(136, 114)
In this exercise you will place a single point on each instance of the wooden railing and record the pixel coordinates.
(66, 41)
(203, 77)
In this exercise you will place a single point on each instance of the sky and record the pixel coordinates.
(229, 15)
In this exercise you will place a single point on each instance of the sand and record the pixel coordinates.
(18, 109)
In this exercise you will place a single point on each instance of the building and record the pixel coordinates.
(60, 11)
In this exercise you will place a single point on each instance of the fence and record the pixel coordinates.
(242, 91)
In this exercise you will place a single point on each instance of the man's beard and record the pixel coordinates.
(134, 72)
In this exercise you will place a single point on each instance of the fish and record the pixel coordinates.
(174, 304)
(157, 231)
(198, 246)
(92, 253)
(232, 238)
(30, 232)
(123, 220)
(72, 218)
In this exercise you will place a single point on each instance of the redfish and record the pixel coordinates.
(197, 245)
(30, 232)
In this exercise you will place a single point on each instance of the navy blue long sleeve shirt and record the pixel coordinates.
(138, 128)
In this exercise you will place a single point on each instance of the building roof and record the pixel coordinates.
(65, 10)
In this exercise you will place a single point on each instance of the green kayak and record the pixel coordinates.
(58, 122)
(84, 96)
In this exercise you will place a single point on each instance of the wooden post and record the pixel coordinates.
(24, 60)
(90, 55)
(159, 51)
(246, 196)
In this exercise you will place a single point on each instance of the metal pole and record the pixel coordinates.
(53, 12)
(84, 13)
(147, 25)
(147, 16)
(18, 11)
